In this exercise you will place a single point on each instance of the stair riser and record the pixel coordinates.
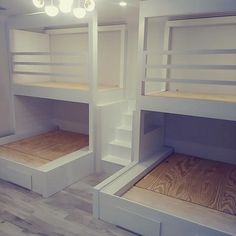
(122, 152)
(127, 120)
(131, 106)
(124, 135)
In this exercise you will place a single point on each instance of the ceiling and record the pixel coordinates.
(108, 10)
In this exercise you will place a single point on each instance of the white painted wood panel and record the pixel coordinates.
(6, 105)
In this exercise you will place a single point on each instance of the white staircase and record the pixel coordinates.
(119, 149)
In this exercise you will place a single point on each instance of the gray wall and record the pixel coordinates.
(202, 137)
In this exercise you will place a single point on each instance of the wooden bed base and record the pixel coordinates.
(44, 148)
(118, 201)
(207, 183)
(198, 96)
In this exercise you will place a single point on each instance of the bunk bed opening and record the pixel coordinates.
(47, 130)
(198, 178)
(190, 59)
(58, 58)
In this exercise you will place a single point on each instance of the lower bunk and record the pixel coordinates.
(171, 194)
(46, 163)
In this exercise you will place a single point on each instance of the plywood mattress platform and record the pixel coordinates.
(44, 148)
(197, 96)
(198, 181)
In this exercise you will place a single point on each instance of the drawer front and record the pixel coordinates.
(131, 220)
(15, 174)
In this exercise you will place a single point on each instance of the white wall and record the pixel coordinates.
(25, 41)
(202, 137)
(71, 116)
(32, 114)
(131, 67)
(6, 118)
(108, 56)
(155, 43)
(190, 38)
(204, 37)
(70, 43)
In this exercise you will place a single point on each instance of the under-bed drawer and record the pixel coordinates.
(14, 174)
(132, 220)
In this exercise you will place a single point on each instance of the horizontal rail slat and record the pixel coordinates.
(48, 54)
(193, 51)
(47, 64)
(46, 74)
(192, 81)
(192, 67)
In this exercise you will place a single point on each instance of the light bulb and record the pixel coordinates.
(38, 3)
(123, 4)
(89, 5)
(51, 10)
(65, 6)
(79, 12)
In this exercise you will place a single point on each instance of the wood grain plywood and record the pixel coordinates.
(41, 149)
(22, 158)
(198, 96)
(207, 183)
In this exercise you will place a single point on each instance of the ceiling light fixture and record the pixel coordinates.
(89, 5)
(38, 3)
(65, 6)
(123, 4)
(51, 10)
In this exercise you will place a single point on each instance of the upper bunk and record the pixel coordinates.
(188, 62)
(66, 60)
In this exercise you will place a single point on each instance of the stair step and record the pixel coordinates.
(116, 160)
(124, 133)
(131, 105)
(120, 148)
(121, 143)
(127, 119)
(125, 128)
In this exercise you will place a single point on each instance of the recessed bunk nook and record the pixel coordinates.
(51, 147)
(184, 183)
(182, 180)
(54, 62)
(53, 141)
(191, 61)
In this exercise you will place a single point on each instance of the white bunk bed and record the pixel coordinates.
(53, 141)
(55, 64)
(181, 72)
(195, 123)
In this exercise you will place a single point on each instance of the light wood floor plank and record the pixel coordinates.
(67, 213)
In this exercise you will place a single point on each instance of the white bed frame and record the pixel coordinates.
(56, 175)
(109, 205)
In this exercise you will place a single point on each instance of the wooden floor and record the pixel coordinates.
(41, 149)
(67, 213)
(207, 183)
(197, 96)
